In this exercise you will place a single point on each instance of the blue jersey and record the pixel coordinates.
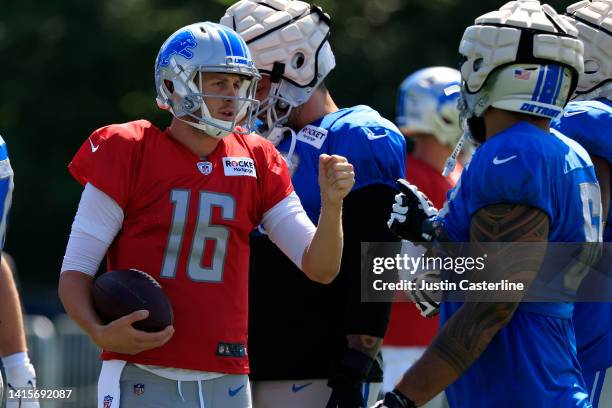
(6, 190)
(589, 123)
(531, 362)
(372, 144)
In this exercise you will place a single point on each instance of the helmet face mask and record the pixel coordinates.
(184, 64)
(274, 110)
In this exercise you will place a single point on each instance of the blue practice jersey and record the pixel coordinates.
(532, 361)
(590, 124)
(6, 190)
(372, 144)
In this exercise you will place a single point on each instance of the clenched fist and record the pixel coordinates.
(336, 179)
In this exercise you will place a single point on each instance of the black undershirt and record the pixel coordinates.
(298, 328)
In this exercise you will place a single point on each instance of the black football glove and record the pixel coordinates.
(347, 380)
(411, 213)
(395, 399)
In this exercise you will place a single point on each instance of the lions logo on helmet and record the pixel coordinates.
(427, 103)
(180, 45)
(183, 61)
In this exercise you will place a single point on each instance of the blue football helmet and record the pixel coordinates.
(427, 103)
(183, 61)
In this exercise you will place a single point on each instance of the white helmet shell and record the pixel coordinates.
(520, 32)
(288, 40)
(593, 19)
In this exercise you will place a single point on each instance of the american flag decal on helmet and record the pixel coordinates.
(522, 74)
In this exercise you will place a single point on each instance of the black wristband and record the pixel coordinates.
(396, 396)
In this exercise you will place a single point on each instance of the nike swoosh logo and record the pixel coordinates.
(568, 114)
(298, 388)
(502, 161)
(372, 136)
(93, 147)
(232, 393)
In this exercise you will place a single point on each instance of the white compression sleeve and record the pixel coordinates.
(289, 227)
(96, 223)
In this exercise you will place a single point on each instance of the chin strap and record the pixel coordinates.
(451, 162)
(210, 130)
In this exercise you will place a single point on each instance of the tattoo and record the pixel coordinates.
(509, 223)
(468, 333)
(470, 330)
(368, 345)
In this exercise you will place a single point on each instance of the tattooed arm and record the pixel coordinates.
(470, 330)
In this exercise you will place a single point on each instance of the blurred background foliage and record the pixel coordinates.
(71, 66)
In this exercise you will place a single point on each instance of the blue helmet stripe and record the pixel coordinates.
(550, 84)
(226, 43)
(235, 42)
(559, 83)
(536, 92)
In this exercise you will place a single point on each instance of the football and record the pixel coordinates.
(121, 292)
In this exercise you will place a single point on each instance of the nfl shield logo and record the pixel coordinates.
(139, 389)
(205, 167)
(108, 401)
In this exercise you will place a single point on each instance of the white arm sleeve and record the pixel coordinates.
(289, 227)
(96, 223)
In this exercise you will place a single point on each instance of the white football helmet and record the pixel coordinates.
(523, 57)
(183, 61)
(427, 103)
(288, 40)
(593, 19)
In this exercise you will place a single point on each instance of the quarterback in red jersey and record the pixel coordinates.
(427, 112)
(179, 204)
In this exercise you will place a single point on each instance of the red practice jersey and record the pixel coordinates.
(186, 222)
(406, 326)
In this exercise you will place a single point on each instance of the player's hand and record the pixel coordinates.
(346, 380)
(21, 377)
(411, 209)
(336, 179)
(121, 337)
(395, 399)
(427, 302)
